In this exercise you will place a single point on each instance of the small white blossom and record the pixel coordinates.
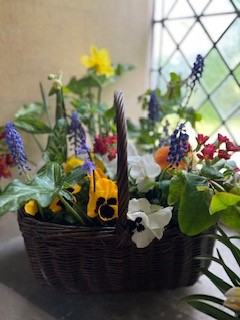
(148, 221)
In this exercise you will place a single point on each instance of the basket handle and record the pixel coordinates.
(122, 163)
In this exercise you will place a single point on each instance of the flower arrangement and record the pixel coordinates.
(171, 183)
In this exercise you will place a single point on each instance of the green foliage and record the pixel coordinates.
(193, 211)
(57, 143)
(214, 306)
(28, 124)
(171, 112)
(43, 188)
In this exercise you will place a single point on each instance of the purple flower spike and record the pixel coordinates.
(88, 166)
(178, 145)
(153, 110)
(15, 146)
(77, 135)
(197, 70)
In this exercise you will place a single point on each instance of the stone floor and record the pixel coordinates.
(23, 299)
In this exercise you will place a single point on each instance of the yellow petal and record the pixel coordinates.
(55, 207)
(31, 207)
(76, 189)
(71, 163)
(105, 189)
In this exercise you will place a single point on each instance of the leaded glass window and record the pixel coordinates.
(184, 28)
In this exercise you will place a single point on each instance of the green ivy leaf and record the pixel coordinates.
(43, 188)
(57, 144)
(74, 177)
(223, 200)
(211, 173)
(230, 217)
(82, 85)
(175, 190)
(28, 124)
(193, 212)
(32, 109)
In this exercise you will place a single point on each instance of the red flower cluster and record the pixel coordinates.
(106, 145)
(6, 159)
(211, 151)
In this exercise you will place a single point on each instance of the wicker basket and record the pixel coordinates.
(74, 259)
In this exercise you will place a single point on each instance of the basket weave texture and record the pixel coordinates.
(74, 259)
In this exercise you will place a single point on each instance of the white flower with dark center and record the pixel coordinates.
(147, 221)
(143, 169)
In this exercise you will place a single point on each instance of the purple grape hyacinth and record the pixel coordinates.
(178, 145)
(77, 135)
(15, 146)
(197, 70)
(153, 110)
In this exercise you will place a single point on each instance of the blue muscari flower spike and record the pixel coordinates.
(178, 145)
(77, 135)
(197, 70)
(15, 146)
(153, 110)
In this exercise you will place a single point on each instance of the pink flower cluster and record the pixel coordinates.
(106, 145)
(222, 149)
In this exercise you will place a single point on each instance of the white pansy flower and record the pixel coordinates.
(148, 221)
(111, 165)
(143, 169)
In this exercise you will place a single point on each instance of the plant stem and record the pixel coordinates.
(45, 104)
(76, 215)
(217, 186)
(41, 211)
(98, 102)
(37, 142)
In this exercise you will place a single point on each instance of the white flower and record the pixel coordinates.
(143, 169)
(148, 219)
(111, 166)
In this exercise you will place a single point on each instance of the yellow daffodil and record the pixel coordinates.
(233, 299)
(103, 201)
(71, 163)
(99, 60)
(31, 207)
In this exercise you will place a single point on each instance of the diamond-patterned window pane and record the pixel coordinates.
(227, 97)
(219, 6)
(196, 42)
(216, 25)
(215, 71)
(168, 47)
(199, 6)
(229, 44)
(181, 9)
(233, 124)
(237, 73)
(210, 119)
(210, 28)
(182, 25)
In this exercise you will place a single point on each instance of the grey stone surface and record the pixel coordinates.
(16, 274)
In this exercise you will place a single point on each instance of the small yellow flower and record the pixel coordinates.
(233, 299)
(71, 163)
(103, 201)
(99, 60)
(31, 207)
